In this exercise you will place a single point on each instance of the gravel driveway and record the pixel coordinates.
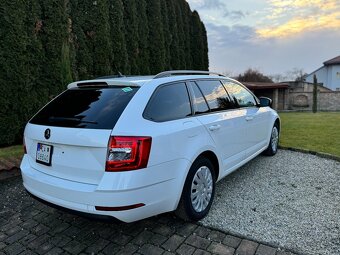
(291, 200)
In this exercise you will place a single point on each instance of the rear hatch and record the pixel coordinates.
(68, 138)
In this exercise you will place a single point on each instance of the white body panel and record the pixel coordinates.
(77, 179)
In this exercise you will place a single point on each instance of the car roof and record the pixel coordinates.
(165, 77)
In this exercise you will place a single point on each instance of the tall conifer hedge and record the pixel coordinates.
(45, 44)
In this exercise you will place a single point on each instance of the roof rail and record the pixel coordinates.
(182, 72)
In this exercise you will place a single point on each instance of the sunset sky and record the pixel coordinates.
(273, 36)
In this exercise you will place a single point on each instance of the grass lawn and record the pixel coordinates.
(317, 132)
(12, 151)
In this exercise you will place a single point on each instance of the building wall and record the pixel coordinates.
(328, 75)
(321, 75)
(281, 99)
(334, 77)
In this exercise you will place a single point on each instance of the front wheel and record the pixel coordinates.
(274, 141)
(198, 192)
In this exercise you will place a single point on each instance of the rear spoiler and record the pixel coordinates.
(101, 84)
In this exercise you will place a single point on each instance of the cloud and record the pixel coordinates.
(273, 56)
(234, 15)
(272, 36)
(291, 17)
(299, 25)
(221, 36)
(219, 8)
(207, 4)
(322, 4)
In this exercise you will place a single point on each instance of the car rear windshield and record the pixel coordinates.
(93, 108)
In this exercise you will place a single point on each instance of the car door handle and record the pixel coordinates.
(214, 127)
(248, 118)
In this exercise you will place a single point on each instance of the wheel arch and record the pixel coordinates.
(212, 156)
(278, 122)
(214, 160)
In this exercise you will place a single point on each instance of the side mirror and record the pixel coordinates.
(265, 101)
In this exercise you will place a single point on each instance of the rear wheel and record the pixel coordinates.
(198, 192)
(274, 141)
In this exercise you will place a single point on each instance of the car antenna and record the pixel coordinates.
(117, 71)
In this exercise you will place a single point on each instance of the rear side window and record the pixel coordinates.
(216, 95)
(169, 102)
(93, 108)
(199, 103)
(242, 96)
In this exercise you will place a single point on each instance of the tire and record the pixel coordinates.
(274, 141)
(194, 206)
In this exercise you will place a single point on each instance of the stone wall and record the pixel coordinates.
(327, 101)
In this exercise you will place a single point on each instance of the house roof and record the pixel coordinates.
(265, 85)
(333, 61)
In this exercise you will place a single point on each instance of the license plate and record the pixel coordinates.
(44, 154)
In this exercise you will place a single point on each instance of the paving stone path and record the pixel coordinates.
(30, 227)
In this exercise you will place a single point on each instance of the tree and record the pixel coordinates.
(186, 14)
(166, 32)
(13, 71)
(156, 37)
(252, 75)
(119, 60)
(131, 33)
(315, 94)
(102, 48)
(45, 44)
(143, 56)
(66, 75)
(181, 34)
(54, 33)
(197, 45)
(278, 77)
(83, 56)
(174, 40)
(205, 48)
(296, 74)
(36, 91)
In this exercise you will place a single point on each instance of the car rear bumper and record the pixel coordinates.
(158, 188)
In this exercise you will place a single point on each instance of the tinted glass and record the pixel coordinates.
(200, 105)
(169, 102)
(93, 108)
(216, 95)
(242, 96)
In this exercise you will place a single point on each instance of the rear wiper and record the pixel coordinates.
(55, 119)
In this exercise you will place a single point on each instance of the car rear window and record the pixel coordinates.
(93, 108)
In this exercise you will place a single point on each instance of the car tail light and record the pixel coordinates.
(24, 144)
(127, 153)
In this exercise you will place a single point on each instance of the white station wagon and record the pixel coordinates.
(134, 147)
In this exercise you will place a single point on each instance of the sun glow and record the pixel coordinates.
(291, 17)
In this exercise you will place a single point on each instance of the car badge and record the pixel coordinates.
(47, 133)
